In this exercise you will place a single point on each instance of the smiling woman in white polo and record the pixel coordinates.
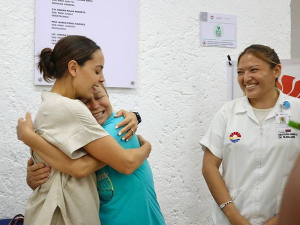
(251, 138)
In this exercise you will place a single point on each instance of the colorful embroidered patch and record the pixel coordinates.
(235, 137)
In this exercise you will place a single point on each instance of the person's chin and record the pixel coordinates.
(252, 92)
(102, 120)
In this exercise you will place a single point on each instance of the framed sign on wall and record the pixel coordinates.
(113, 25)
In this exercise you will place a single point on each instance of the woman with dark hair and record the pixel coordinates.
(251, 138)
(76, 63)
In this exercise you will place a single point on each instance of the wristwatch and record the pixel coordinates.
(138, 117)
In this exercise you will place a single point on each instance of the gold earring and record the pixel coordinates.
(74, 75)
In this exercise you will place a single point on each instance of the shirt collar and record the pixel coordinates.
(245, 106)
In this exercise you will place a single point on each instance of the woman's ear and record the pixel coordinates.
(277, 71)
(72, 67)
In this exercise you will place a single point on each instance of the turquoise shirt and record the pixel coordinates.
(127, 199)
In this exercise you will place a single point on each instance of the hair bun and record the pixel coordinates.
(46, 65)
(53, 64)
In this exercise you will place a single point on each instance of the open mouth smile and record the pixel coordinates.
(250, 86)
(99, 113)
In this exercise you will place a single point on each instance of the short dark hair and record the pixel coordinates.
(262, 52)
(53, 64)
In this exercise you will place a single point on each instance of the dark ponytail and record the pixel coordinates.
(46, 65)
(54, 64)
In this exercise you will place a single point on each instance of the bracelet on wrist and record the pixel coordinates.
(224, 204)
(138, 117)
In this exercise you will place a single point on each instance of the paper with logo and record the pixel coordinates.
(217, 30)
(282, 120)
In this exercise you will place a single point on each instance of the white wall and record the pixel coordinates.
(181, 86)
(295, 29)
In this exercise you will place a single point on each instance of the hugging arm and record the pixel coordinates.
(37, 174)
(78, 168)
(130, 123)
(109, 151)
(53, 156)
(105, 149)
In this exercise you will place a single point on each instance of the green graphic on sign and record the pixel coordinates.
(218, 31)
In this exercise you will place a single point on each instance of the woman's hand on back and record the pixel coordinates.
(144, 141)
(130, 124)
(37, 174)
